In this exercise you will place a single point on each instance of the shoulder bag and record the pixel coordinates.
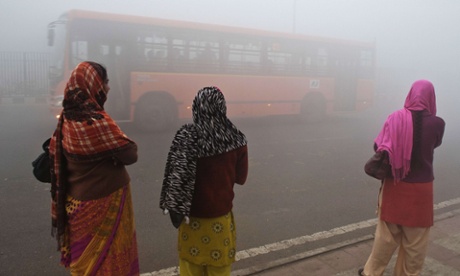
(378, 166)
(42, 164)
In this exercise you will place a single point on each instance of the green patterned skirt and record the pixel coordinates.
(208, 241)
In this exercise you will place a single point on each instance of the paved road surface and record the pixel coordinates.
(303, 179)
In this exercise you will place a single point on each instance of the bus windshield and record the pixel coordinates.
(57, 39)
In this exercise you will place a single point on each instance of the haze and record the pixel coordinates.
(304, 174)
(419, 38)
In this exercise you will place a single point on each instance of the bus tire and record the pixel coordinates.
(155, 112)
(313, 108)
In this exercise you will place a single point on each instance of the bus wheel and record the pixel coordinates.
(313, 108)
(155, 113)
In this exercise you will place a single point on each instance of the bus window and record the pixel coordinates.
(204, 54)
(366, 58)
(296, 57)
(176, 57)
(57, 56)
(285, 57)
(322, 61)
(243, 56)
(306, 64)
(207, 55)
(155, 48)
(79, 52)
(366, 63)
(274, 57)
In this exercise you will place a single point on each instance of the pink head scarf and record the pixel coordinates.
(397, 132)
(421, 97)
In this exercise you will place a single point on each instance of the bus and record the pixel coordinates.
(156, 66)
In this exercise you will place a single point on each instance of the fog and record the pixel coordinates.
(414, 39)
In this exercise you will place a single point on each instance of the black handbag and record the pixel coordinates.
(42, 164)
(378, 166)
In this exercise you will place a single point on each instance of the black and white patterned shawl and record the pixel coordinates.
(211, 133)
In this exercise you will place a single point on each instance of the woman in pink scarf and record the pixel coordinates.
(410, 136)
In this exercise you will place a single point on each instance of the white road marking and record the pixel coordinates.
(447, 203)
(284, 244)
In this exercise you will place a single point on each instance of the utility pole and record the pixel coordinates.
(294, 15)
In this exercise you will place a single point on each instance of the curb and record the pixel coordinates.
(301, 256)
(313, 253)
(173, 271)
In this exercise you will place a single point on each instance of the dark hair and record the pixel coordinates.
(100, 69)
(417, 117)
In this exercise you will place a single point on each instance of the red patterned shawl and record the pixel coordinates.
(84, 132)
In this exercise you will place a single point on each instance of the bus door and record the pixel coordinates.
(99, 44)
(119, 65)
(346, 82)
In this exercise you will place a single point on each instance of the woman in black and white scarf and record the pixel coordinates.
(205, 160)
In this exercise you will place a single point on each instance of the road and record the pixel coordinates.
(303, 179)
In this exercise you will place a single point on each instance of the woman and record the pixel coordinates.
(92, 212)
(410, 136)
(206, 159)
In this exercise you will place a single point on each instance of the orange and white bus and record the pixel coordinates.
(156, 66)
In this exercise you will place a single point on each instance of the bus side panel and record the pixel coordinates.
(246, 96)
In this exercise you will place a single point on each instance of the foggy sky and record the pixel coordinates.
(419, 37)
(393, 24)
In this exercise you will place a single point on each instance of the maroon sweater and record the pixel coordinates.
(432, 133)
(215, 177)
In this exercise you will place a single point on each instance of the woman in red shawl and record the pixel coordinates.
(92, 212)
(410, 136)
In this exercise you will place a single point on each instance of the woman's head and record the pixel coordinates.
(209, 103)
(421, 97)
(87, 87)
(102, 72)
(215, 132)
(100, 69)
